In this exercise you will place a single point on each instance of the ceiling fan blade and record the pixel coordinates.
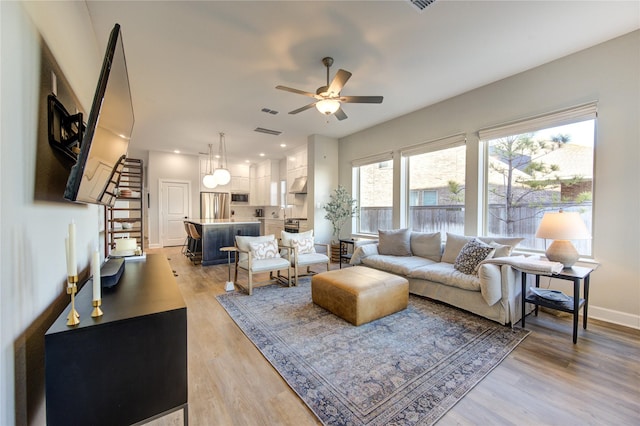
(361, 99)
(340, 115)
(304, 108)
(339, 81)
(297, 91)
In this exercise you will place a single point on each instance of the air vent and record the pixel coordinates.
(421, 5)
(267, 131)
(269, 111)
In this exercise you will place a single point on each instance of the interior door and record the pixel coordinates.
(174, 209)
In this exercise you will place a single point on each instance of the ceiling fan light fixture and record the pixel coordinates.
(327, 106)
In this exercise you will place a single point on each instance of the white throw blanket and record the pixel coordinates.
(530, 265)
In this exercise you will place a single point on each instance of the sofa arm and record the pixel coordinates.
(363, 251)
(491, 286)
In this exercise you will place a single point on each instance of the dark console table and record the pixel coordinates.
(128, 366)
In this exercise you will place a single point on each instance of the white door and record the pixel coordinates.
(174, 209)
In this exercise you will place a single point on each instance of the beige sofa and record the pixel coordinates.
(491, 290)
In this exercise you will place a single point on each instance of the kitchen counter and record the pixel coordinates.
(218, 233)
(204, 222)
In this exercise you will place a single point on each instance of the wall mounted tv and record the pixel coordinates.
(96, 175)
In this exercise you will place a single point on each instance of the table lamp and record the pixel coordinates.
(562, 227)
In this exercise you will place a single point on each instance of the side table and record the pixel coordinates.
(572, 305)
(344, 250)
(228, 286)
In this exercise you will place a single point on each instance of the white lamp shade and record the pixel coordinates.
(327, 106)
(209, 181)
(222, 176)
(563, 226)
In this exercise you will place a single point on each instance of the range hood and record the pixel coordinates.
(299, 186)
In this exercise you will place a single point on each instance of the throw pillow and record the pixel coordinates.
(453, 246)
(304, 245)
(425, 245)
(287, 237)
(244, 243)
(501, 250)
(395, 242)
(265, 250)
(472, 253)
(506, 241)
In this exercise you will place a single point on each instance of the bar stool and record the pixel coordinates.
(196, 244)
(187, 241)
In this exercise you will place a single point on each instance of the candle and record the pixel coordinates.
(95, 269)
(73, 267)
(66, 254)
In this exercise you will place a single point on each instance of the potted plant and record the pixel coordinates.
(339, 208)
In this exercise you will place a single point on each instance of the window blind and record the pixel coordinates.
(435, 145)
(378, 158)
(583, 112)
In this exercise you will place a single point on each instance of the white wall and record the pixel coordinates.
(322, 170)
(607, 73)
(32, 259)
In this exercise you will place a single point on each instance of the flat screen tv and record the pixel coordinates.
(95, 177)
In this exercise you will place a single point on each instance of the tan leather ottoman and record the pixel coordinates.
(360, 294)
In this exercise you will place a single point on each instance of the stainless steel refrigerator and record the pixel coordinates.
(214, 205)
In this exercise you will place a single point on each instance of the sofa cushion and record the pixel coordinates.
(470, 256)
(426, 245)
(395, 264)
(490, 283)
(453, 246)
(445, 273)
(395, 242)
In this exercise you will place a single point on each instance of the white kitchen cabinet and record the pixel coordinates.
(273, 226)
(264, 183)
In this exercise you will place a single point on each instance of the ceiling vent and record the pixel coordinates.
(269, 111)
(421, 5)
(267, 131)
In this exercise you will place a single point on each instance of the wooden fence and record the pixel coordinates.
(450, 218)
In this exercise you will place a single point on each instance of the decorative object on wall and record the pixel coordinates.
(328, 99)
(562, 227)
(221, 175)
(209, 180)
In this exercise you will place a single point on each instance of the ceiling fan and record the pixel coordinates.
(327, 98)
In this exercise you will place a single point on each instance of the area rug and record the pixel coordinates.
(408, 368)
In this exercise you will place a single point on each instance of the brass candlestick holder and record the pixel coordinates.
(97, 312)
(74, 317)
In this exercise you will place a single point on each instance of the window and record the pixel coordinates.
(540, 165)
(436, 183)
(373, 188)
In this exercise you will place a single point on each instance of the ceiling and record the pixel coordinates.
(204, 67)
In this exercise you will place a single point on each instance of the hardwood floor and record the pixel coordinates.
(546, 380)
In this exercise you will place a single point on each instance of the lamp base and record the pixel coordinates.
(562, 251)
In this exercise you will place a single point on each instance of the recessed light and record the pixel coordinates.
(283, 145)
(262, 154)
(176, 151)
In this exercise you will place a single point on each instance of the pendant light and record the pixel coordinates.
(209, 180)
(221, 174)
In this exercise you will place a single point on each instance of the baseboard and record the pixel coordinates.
(614, 317)
(155, 246)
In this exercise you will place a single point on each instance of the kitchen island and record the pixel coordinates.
(218, 233)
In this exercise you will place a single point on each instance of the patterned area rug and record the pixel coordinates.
(408, 368)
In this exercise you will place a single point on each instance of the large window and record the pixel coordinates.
(436, 183)
(541, 165)
(373, 179)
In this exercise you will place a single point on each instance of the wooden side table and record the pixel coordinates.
(228, 286)
(344, 250)
(572, 305)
